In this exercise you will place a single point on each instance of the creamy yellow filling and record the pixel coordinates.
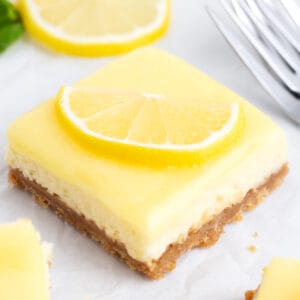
(280, 280)
(23, 265)
(146, 208)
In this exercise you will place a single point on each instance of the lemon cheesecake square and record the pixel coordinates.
(24, 262)
(145, 214)
(280, 281)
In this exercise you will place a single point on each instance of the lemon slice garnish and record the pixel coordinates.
(151, 128)
(95, 27)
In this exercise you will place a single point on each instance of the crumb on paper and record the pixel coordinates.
(252, 248)
(250, 295)
(255, 234)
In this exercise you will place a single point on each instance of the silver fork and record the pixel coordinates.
(274, 54)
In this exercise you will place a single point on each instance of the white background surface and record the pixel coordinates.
(29, 74)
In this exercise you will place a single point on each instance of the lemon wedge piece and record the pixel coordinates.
(95, 27)
(150, 128)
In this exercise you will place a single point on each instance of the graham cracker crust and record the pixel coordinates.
(205, 236)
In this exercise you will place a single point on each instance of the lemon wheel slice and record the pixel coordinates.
(150, 128)
(95, 27)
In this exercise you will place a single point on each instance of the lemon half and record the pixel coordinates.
(95, 27)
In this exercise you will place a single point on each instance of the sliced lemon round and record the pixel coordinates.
(150, 128)
(95, 27)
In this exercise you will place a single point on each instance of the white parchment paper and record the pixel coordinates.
(81, 269)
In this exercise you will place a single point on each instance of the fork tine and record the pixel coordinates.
(292, 9)
(271, 58)
(243, 16)
(252, 5)
(287, 102)
(279, 44)
(288, 31)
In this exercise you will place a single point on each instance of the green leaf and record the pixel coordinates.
(8, 12)
(9, 34)
(10, 24)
